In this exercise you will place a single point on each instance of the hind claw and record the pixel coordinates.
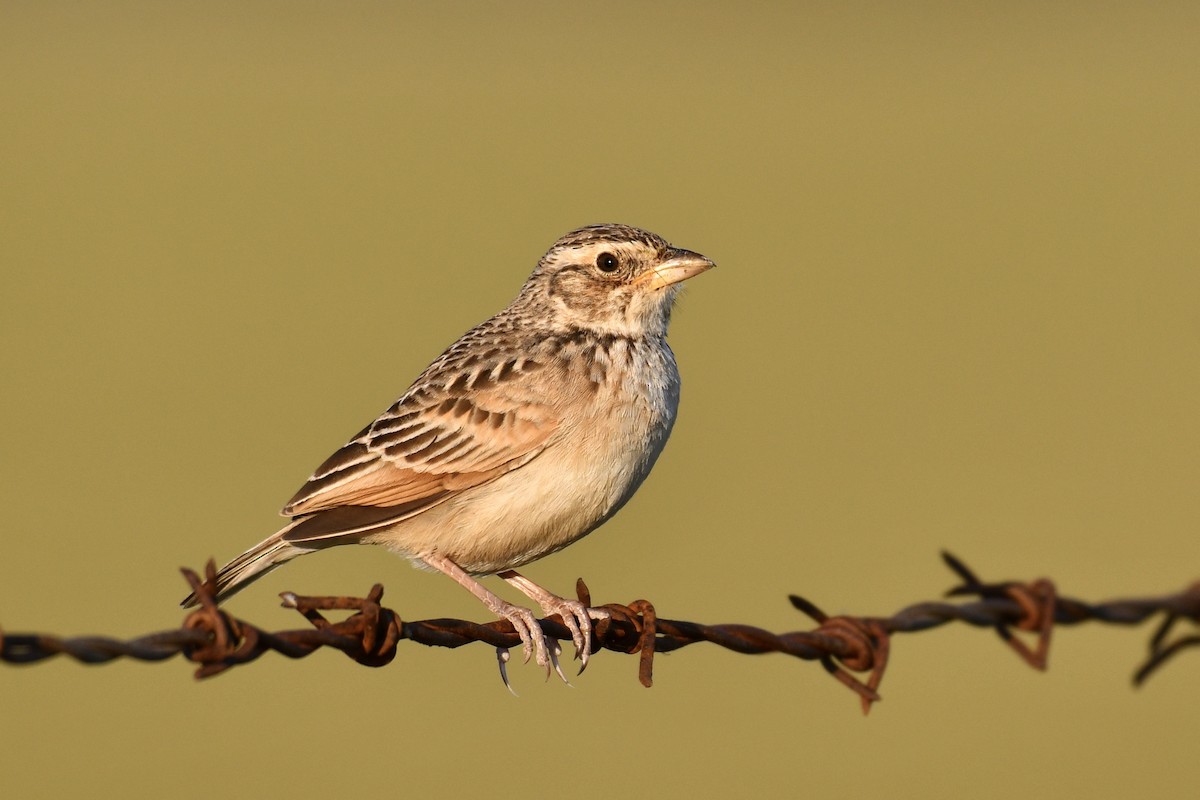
(502, 656)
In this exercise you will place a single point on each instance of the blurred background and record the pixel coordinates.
(956, 307)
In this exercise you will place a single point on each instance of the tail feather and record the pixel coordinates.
(252, 565)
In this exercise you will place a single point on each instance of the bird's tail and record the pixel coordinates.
(253, 564)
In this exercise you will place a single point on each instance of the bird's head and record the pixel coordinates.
(612, 279)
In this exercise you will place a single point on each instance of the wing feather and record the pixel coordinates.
(442, 437)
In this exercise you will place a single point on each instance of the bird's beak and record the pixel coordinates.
(679, 266)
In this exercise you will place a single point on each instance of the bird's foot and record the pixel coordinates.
(533, 641)
(577, 617)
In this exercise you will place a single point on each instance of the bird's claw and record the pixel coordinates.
(502, 656)
(555, 651)
(592, 614)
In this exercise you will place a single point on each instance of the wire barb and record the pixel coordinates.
(1036, 601)
(868, 643)
(843, 644)
(1160, 652)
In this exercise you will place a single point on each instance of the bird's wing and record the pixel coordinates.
(440, 438)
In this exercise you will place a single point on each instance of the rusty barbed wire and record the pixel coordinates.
(217, 641)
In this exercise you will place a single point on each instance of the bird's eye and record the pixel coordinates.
(606, 262)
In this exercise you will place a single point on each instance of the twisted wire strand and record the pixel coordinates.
(847, 646)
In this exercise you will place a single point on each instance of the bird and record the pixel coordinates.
(530, 431)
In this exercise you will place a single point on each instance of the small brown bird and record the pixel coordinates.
(526, 434)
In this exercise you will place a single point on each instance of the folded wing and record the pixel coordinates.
(434, 442)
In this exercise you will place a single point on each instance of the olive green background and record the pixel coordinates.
(956, 307)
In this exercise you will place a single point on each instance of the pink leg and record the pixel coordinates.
(522, 619)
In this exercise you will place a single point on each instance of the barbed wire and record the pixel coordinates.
(844, 644)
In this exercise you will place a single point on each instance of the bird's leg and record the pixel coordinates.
(575, 615)
(522, 619)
